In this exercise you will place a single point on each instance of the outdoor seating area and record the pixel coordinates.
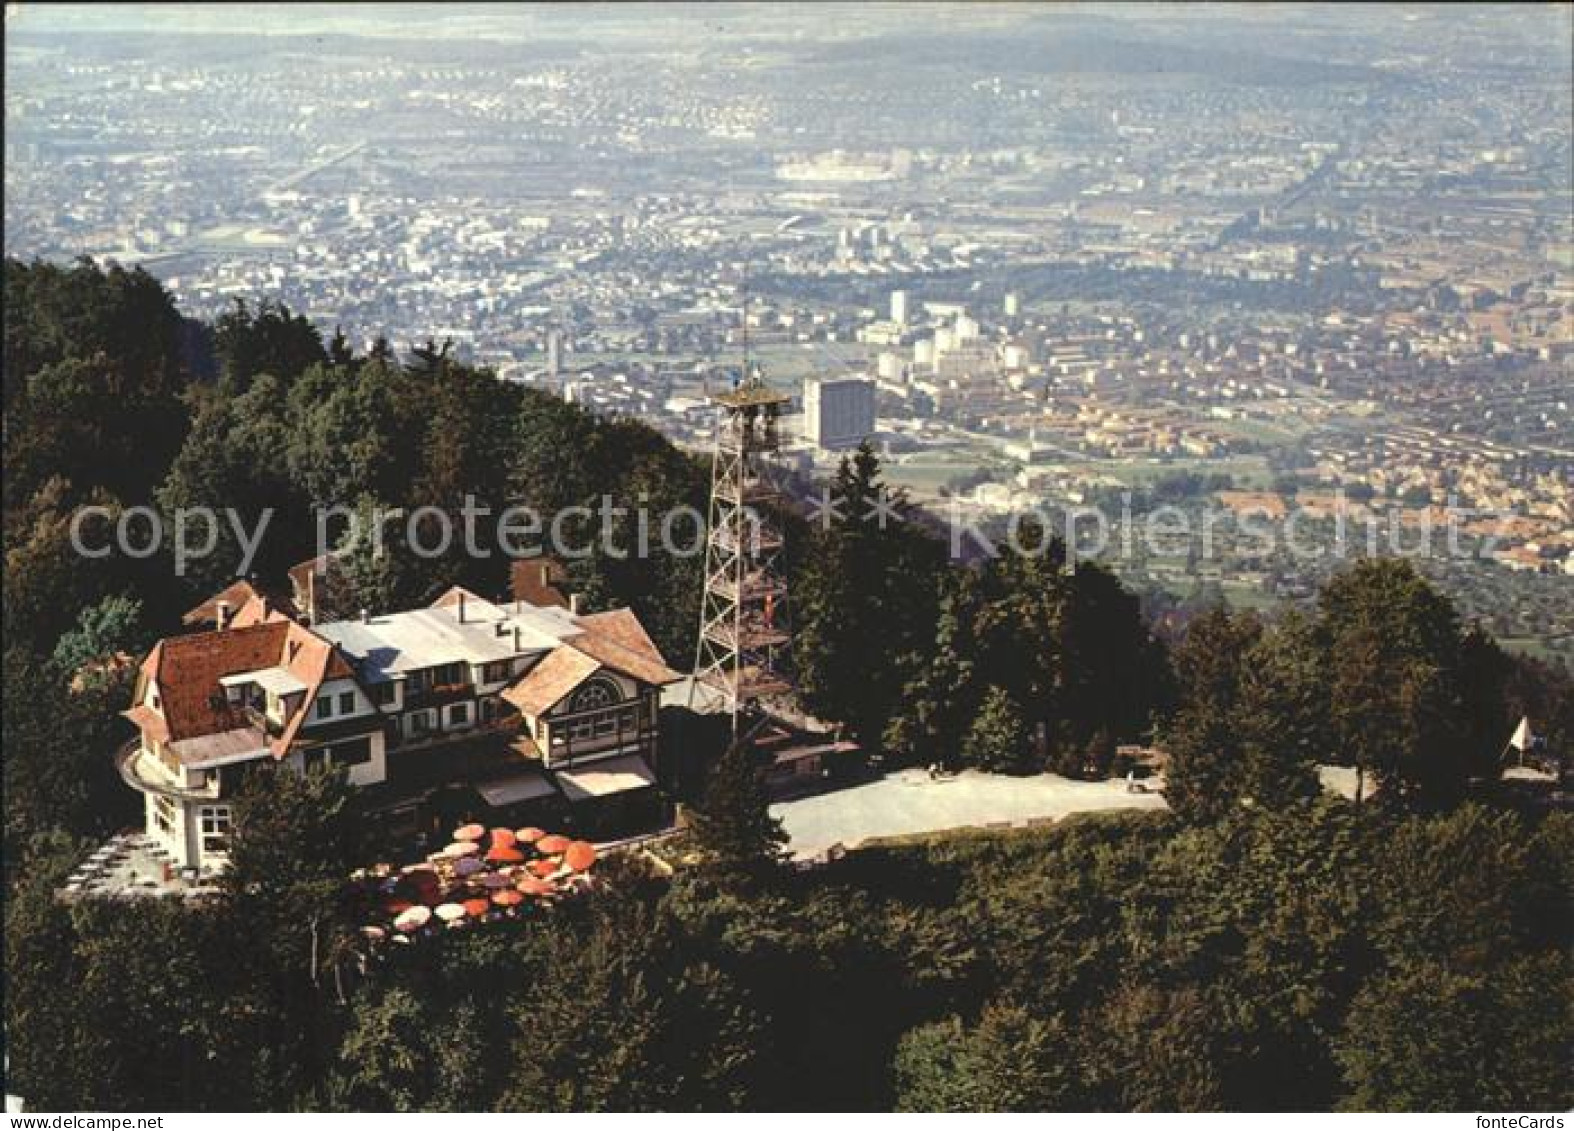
(133, 864)
(481, 877)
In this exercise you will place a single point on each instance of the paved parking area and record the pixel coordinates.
(909, 801)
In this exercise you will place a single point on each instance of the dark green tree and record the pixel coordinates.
(732, 827)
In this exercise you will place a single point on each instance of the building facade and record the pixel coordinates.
(493, 707)
(838, 412)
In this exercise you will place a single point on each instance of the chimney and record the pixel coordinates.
(366, 616)
(224, 614)
(573, 603)
(461, 608)
(546, 576)
(518, 645)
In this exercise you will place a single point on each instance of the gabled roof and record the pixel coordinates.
(187, 671)
(238, 596)
(564, 669)
(612, 640)
(619, 641)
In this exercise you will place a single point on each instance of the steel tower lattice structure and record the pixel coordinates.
(742, 659)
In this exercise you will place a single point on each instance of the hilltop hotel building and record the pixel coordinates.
(463, 709)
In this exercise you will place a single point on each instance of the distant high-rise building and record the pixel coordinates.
(899, 307)
(554, 352)
(1013, 304)
(838, 412)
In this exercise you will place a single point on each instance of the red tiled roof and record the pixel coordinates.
(187, 671)
(539, 582)
(619, 641)
(234, 595)
(537, 690)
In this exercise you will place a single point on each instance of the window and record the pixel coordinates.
(164, 815)
(356, 752)
(496, 672)
(421, 722)
(347, 703)
(595, 694)
(324, 706)
(459, 714)
(215, 826)
(446, 674)
(381, 694)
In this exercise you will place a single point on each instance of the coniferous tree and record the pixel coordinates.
(732, 827)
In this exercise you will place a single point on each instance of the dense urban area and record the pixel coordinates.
(1076, 255)
(1147, 686)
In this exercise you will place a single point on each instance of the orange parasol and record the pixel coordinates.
(507, 898)
(476, 908)
(503, 836)
(530, 885)
(544, 867)
(470, 832)
(531, 834)
(504, 854)
(580, 855)
(553, 844)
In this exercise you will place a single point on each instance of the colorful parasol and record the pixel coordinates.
(449, 912)
(530, 835)
(580, 855)
(507, 898)
(504, 854)
(552, 844)
(470, 832)
(413, 919)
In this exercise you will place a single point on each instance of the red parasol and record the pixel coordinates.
(580, 855)
(553, 844)
(503, 836)
(476, 908)
(504, 854)
(544, 867)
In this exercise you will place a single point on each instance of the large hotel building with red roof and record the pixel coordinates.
(466, 707)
